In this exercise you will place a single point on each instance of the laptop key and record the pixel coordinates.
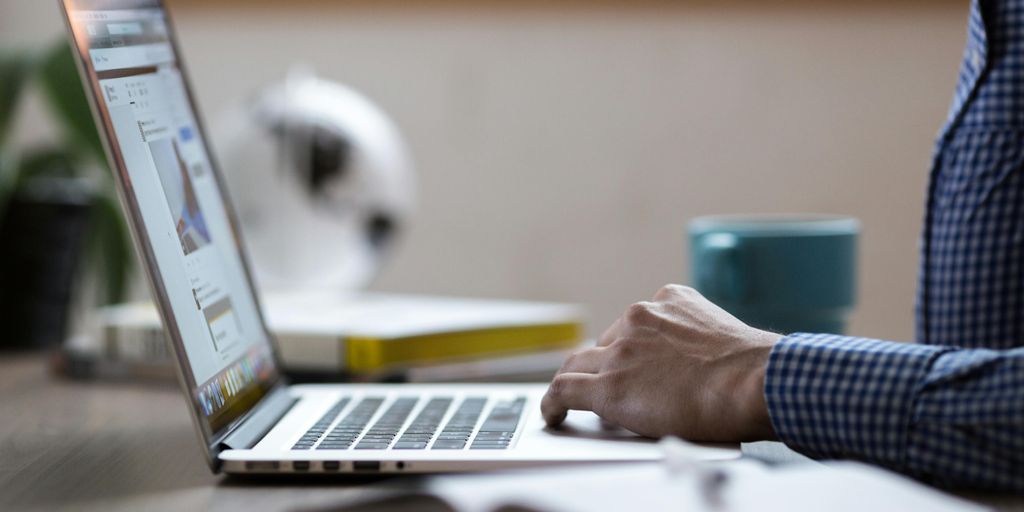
(374, 446)
(410, 446)
(448, 445)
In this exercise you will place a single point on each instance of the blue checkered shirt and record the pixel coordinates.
(950, 408)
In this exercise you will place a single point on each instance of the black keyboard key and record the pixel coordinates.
(365, 445)
(448, 445)
(334, 446)
(410, 446)
(504, 417)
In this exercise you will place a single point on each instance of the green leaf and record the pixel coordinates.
(63, 88)
(15, 69)
(45, 161)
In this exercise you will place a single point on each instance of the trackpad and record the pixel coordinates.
(585, 425)
(588, 425)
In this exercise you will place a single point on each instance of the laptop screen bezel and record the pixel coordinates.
(274, 380)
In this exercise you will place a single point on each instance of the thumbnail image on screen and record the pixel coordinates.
(181, 196)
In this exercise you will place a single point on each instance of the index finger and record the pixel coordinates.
(576, 391)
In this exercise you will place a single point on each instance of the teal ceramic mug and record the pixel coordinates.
(784, 273)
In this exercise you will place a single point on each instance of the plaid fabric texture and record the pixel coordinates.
(953, 417)
(944, 410)
(971, 283)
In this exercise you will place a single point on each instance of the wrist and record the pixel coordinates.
(753, 407)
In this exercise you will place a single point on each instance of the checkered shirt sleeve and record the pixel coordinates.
(953, 417)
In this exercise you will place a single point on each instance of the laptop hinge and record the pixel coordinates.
(269, 411)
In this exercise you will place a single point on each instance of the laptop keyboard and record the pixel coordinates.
(317, 430)
(495, 433)
(422, 429)
(379, 436)
(346, 432)
(460, 426)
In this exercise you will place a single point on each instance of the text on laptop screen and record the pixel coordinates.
(166, 170)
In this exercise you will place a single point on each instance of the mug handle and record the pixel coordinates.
(723, 278)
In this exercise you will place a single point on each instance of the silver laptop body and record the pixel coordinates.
(249, 419)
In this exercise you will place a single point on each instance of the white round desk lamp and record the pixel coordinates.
(322, 181)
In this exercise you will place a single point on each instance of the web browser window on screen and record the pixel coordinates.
(182, 212)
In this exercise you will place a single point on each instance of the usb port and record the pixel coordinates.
(300, 465)
(262, 465)
(331, 465)
(366, 465)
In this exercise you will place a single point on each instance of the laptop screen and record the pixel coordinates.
(174, 199)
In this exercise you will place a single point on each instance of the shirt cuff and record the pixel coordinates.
(832, 396)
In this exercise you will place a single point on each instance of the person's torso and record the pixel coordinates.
(971, 286)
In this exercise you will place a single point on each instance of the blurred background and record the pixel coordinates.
(562, 146)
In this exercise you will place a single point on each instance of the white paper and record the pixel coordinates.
(750, 486)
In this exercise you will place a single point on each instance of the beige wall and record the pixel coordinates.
(562, 150)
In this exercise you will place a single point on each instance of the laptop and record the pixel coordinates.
(248, 418)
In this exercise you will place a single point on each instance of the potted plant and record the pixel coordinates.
(59, 217)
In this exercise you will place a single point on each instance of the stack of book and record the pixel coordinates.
(359, 337)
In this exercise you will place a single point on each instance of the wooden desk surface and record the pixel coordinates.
(111, 446)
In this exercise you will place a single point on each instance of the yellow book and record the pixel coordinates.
(367, 354)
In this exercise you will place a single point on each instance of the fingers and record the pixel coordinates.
(641, 313)
(585, 361)
(569, 391)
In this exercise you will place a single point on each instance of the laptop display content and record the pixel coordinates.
(175, 200)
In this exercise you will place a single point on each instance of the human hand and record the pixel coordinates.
(678, 365)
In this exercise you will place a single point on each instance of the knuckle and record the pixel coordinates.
(571, 360)
(670, 290)
(557, 387)
(625, 348)
(640, 312)
(680, 291)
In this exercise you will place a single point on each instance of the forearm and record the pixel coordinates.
(950, 416)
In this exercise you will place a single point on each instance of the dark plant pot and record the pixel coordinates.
(41, 242)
